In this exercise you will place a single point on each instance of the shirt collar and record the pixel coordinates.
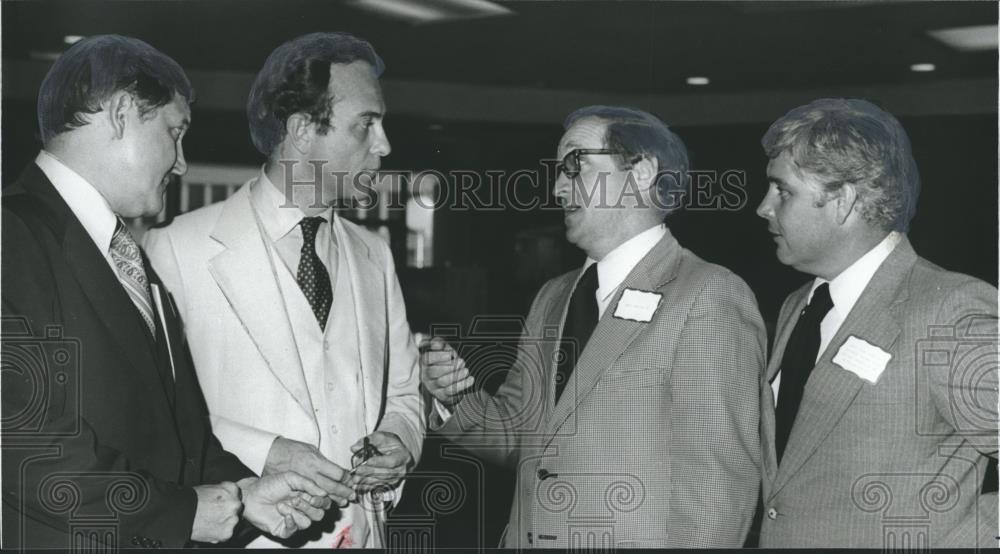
(86, 203)
(615, 267)
(846, 288)
(278, 219)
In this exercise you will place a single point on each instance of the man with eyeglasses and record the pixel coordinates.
(639, 427)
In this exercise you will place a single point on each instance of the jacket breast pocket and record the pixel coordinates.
(635, 377)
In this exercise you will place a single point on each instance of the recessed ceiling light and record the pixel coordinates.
(697, 81)
(923, 67)
(968, 39)
(72, 39)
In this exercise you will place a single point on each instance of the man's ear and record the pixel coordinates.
(845, 202)
(300, 131)
(645, 172)
(118, 108)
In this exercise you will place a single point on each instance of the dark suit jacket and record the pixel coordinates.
(101, 442)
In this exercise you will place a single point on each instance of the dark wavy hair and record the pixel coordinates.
(295, 79)
(638, 134)
(93, 69)
(848, 140)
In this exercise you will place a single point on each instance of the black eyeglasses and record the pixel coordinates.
(570, 164)
(367, 452)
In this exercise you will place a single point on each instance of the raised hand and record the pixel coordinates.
(443, 372)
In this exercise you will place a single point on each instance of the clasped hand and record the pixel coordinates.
(279, 504)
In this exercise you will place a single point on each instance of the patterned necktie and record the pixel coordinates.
(312, 276)
(581, 318)
(797, 363)
(131, 273)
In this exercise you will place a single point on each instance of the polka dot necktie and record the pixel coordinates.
(312, 276)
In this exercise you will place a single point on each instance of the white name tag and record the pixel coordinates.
(862, 358)
(637, 305)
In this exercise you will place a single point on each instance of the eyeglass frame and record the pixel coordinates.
(561, 167)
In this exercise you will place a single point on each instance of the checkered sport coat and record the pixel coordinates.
(654, 442)
(898, 462)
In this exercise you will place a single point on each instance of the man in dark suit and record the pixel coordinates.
(879, 407)
(106, 438)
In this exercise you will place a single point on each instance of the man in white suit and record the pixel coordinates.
(295, 317)
(630, 413)
(879, 408)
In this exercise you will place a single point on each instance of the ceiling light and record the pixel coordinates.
(72, 39)
(968, 39)
(922, 67)
(429, 11)
(697, 81)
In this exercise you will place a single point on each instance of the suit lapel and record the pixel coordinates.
(831, 389)
(99, 283)
(245, 274)
(612, 336)
(786, 322)
(368, 288)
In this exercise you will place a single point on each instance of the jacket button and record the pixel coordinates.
(772, 514)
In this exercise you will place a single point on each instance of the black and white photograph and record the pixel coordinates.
(422, 275)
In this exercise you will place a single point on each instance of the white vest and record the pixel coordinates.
(332, 365)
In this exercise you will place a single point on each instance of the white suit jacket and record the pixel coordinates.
(216, 264)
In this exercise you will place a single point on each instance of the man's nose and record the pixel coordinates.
(381, 148)
(180, 164)
(562, 187)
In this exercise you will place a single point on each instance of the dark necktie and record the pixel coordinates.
(312, 276)
(797, 364)
(581, 318)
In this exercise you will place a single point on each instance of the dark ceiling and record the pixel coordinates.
(645, 47)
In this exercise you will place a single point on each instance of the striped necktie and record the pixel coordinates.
(131, 273)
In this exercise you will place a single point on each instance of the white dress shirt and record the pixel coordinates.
(611, 273)
(845, 289)
(615, 267)
(86, 203)
(281, 223)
